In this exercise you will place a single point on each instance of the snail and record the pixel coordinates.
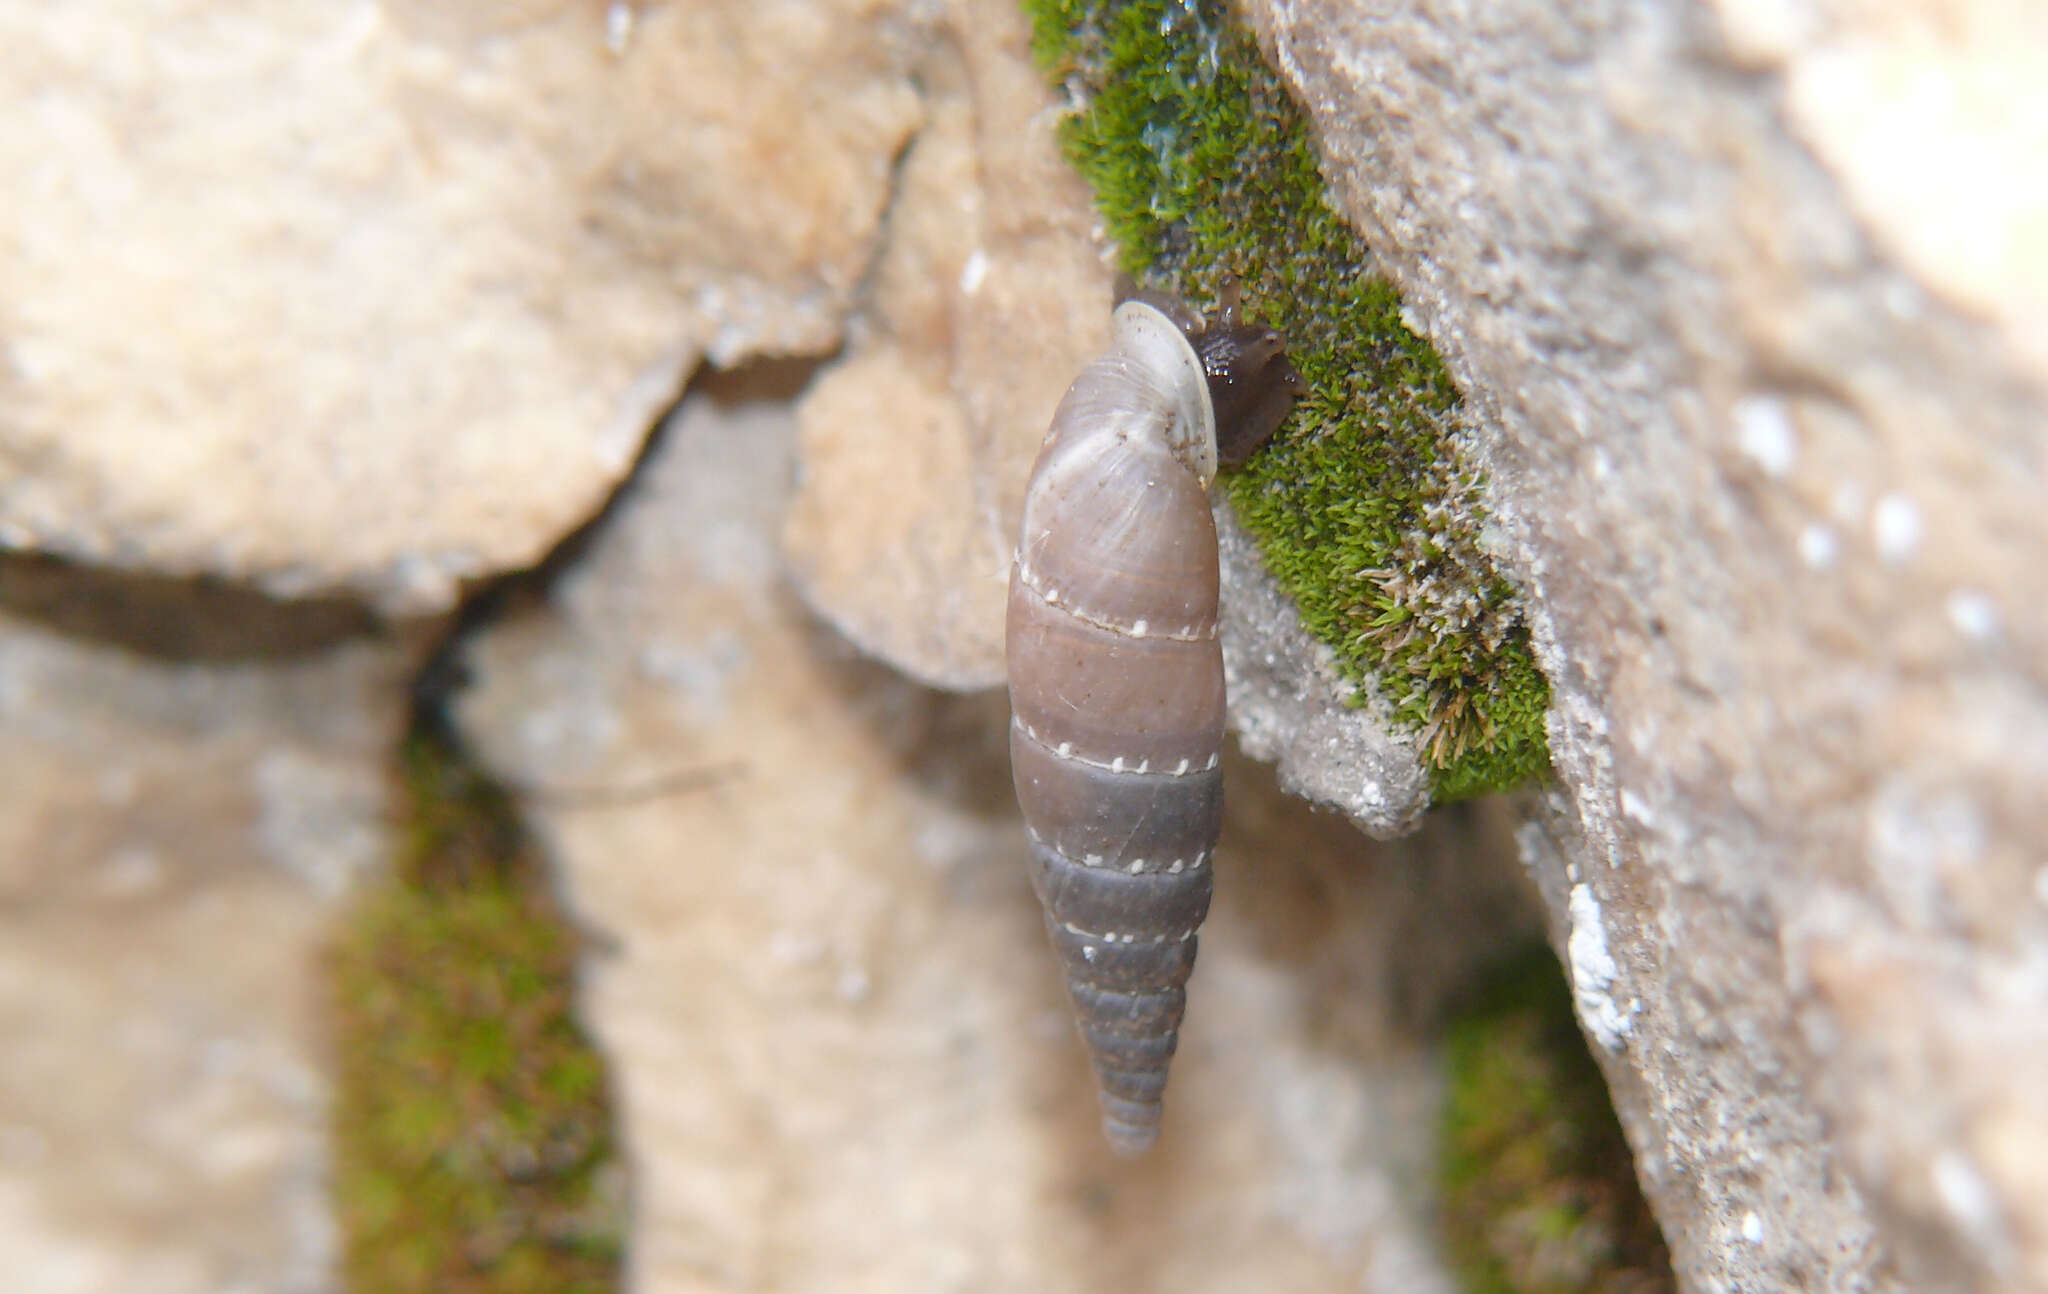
(1116, 675)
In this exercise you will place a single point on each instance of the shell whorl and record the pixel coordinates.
(1116, 676)
(1116, 685)
(1164, 356)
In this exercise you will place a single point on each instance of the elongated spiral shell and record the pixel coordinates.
(1116, 675)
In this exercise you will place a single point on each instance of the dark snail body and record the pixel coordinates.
(1116, 675)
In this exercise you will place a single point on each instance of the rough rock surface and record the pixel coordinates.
(173, 832)
(840, 1042)
(1748, 302)
(1766, 450)
(384, 296)
(1290, 706)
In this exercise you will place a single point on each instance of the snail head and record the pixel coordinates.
(1251, 382)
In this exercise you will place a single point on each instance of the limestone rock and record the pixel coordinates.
(840, 1041)
(988, 297)
(384, 297)
(886, 541)
(1766, 452)
(172, 836)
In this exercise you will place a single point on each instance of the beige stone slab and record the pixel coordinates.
(384, 297)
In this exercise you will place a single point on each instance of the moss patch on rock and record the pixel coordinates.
(1540, 1193)
(473, 1150)
(1203, 170)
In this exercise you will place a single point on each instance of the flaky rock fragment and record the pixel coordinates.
(988, 296)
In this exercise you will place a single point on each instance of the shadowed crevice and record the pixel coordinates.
(173, 618)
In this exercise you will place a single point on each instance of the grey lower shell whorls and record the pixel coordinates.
(1116, 676)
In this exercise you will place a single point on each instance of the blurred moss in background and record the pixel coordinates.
(1540, 1192)
(472, 1125)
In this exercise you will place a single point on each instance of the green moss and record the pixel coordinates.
(471, 1121)
(1203, 169)
(1540, 1194)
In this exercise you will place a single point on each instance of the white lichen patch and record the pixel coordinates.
(853, 985)
(1818, 547)
(1637, 808)
(1594, 972)
(1896, 528)
(1970, 1200)
(1974, 614)
(974, 272)
(1764, 432)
